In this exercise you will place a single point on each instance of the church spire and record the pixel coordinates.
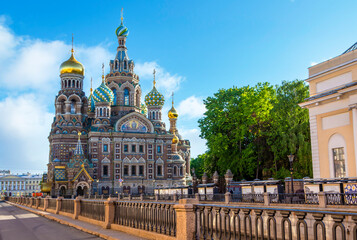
(79, 149)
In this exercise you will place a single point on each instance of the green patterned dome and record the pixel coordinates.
(154, 98)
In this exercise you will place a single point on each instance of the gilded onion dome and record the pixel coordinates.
(175, 139)
(172, 114)
(103, 93)
(72, 66)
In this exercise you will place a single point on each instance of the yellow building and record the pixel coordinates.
(333, 115)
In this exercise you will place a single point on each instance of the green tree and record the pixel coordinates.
(290, 129)
(251, 130)
(198, 165)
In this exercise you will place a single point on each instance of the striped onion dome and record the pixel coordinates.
(154, 98)
(103, 94)
(122, 31)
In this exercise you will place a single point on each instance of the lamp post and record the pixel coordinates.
(291, 159)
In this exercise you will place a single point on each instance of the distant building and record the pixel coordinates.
(4, 172)
(333, 115)
(20, 185)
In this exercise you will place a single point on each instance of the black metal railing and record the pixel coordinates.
(67, 205)
(294, 198)
(156, 217)
(247, 198)
(93, 209)
(212, 197)
(52, 203)
(341, 198)
(165, 197)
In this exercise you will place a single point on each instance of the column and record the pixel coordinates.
(354, 123)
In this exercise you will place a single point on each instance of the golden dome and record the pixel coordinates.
(175, 139)
(173, 113)
(72, 66)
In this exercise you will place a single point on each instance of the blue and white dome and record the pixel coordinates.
(122, 31)
(103, 94)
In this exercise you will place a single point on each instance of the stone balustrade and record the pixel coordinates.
(190, 218)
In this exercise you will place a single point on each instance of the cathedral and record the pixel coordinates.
(109, 142)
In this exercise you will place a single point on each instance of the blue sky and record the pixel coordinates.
(198, 47)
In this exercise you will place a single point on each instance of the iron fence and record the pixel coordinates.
(294, 198)
(52, 203)
(212, 197)
(248, 198)
(67, 205)
(41, 203)
(341, 198)
(93, 209)
(156, 217)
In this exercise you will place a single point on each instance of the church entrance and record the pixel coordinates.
(82, 189)
(79, 191)
(62, 191)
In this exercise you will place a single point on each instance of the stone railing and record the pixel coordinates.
(191, 219)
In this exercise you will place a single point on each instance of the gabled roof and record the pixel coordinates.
(86, 173)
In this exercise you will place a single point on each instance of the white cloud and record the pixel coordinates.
(191, 107)
(24, 127)
(165, 81)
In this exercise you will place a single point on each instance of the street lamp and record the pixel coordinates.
(291, 159)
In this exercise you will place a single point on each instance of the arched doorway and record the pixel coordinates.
(141, 189)
(105, 190)
(80, 191)
(62, 191)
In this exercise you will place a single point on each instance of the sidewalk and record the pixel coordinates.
(80, 225)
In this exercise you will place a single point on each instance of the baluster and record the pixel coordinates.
(301, 220)
(318, 221)
(338, 219)
(354, 218)
(218, 230)
(285, 215)
(202, 222)
(236, 222)
(227, 226)
(271, 218)
(209, 222)
(258, 217)
(247, 217)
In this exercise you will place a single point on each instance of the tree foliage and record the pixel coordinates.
(251, 130)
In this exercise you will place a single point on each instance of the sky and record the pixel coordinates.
(197, 47)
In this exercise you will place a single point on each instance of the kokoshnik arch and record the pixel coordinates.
(119, 138)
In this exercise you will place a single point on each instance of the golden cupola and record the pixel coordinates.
(72, 66)
(175, 139)
(172, 114)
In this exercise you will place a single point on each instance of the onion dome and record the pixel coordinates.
(103, 93)
(173, 113)
(154, 98)
(122, 31)
(72, 66)
(175, 139)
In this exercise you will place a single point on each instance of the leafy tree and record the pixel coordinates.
(197, 164)
(251, 130)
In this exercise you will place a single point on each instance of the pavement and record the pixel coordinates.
(21, 222)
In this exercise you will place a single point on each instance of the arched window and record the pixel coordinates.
(105, 112)
(124, 64)
(181, 171)
(101, 112)
(115, 96)
(126, 96)
(73, 107)
(77, 84)
(175, 170)
(153, 115)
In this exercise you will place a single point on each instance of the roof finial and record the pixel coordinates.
(172, 98)
(72, 44)
(91, 81)
(122, 16)
(154, 77)
(102, 72)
